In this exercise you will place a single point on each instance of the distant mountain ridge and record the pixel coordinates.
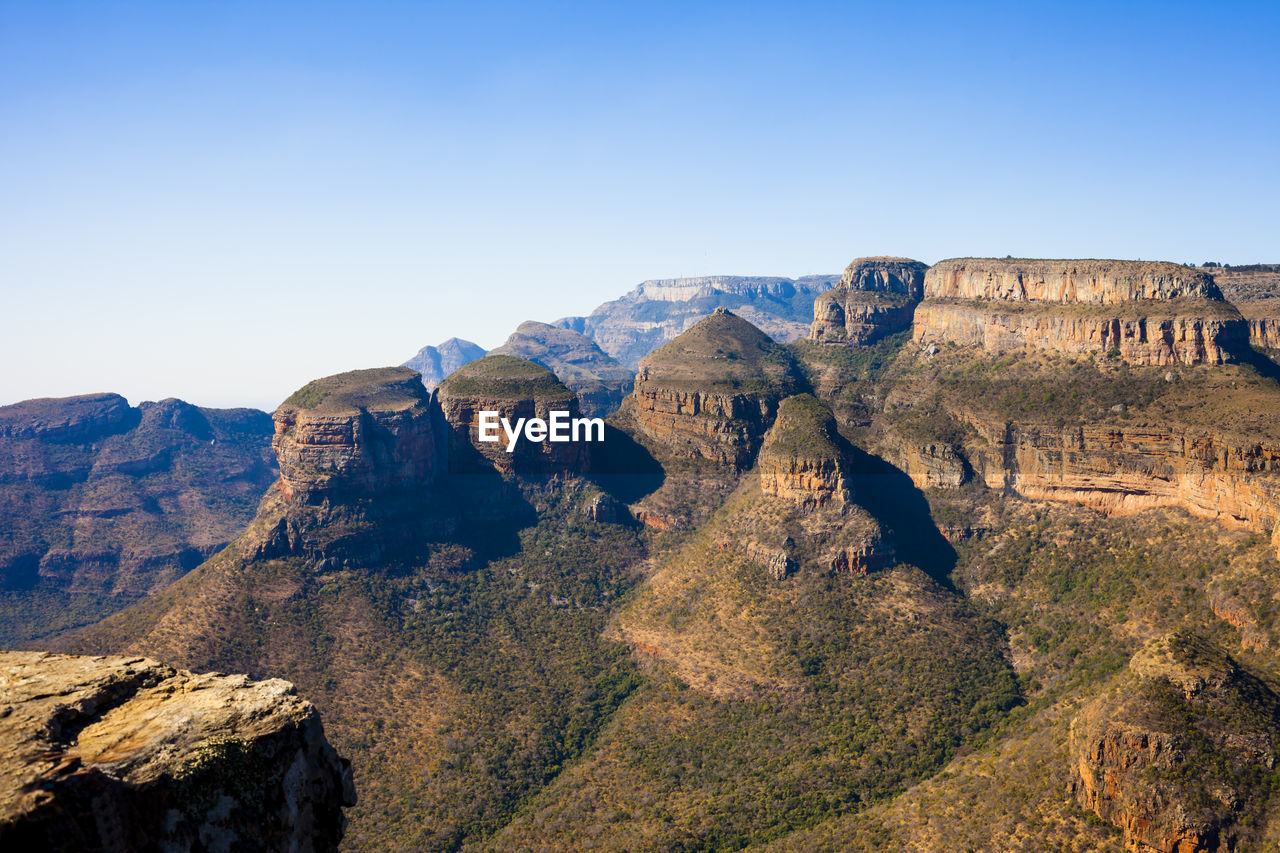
(435, 363)
(599, 380)
(658, 310)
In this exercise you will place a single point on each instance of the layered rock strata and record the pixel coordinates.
(712, 392)
(600, 382)
(1255, 290)
(359, 454)
(801, 460)
(1124, 469)
(875, 297)
(1144, 312)
(515, 389)
(1174, 753)
(124, 753)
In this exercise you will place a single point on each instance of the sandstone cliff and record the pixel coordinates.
(103, 498)
(712, 392)
(1255, 290)
(657, 311)
(1173, 755)
(120, 753)
(344, 441)
(514, 388)
(1146, 312)
(599, 382)
(801, 459)
(435, 363)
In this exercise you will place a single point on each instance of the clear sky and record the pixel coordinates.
(220, 201)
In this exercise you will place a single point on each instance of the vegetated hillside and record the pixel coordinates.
(101, 502)
(913, 594)
(658, 311)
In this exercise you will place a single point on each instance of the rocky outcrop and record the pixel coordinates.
(875, 297)
(599, 382)
(359, 455)
(1144, 312)
(121, 753)
(801, 459)
(930, 465)
(1255, 290)
(516, 389)
(1174, 753)
(433, 364)
(658, 311)
(712, 392)
(356, 434)
(103, 498)
(1128, 468)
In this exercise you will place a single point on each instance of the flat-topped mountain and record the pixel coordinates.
(102, 502)
(437, 362)
(124, 753)
(875, 297)
(657, 311)
(1146, 312)
(600, 381)
(713, 391)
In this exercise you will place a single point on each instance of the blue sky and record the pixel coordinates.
(221, 201)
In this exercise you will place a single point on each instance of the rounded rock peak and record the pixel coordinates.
(504, 378)
(803, 429)
(885, 274)
(387, 389)
(722, 351)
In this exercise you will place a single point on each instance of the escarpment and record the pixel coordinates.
(712, 392)
(1255, 290)
(801, 459)
(1145, 312)
(515, 389)
(875, 297)
(124, 753)
(1175, 754)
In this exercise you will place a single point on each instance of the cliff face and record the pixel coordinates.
(119, 753)
(658, 311)
(1124, 469)
(359, 453)
(712, 392)
(875, 297)
(435, 363)
(801, 460)
(1147, 312)
(599, 382)
(355, 434)
(103, 498)
(1255, 290)
(514, 388)
(1172, 755)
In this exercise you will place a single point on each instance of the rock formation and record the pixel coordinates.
(359, 453)
(600, 382)
(103, 498)
(124, 753)
(1125, 469)
(712, 392)
(657, 311)
(875, 297)
(1174, 753)
(801, 459)
(435, 363)
(1146, 312)
(1255, 290)
(514, 388)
